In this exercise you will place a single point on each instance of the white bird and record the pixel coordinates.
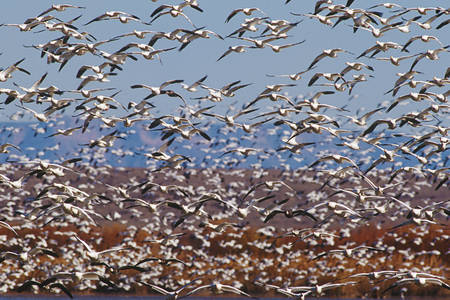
(322, 19)
(41, 117)
(427, 24)
(357, 66)
(26, 256)
(77, 277)
(4, 148)
(159, 90)
(193, 86)
(424, 38)
(395, 60)
(173, 10)
(170, 295)
(94, 256)
(294, 77)
(14, 184)
(97, 69)
(278, 48)
(319, 289)
(237, 49)
(114, 15)
(6, 73)
(247, 11)
(348, 252)
(100, 77)
(9, 227)
(327, 53)
(218, 288)
(59, 7)
(421, 281)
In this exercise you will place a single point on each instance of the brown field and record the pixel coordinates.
(243, 254)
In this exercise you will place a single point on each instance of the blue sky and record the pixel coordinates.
(199, 58)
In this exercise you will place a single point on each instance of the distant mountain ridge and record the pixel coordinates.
(34, 140)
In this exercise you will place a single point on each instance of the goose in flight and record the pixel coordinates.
(170, 295)
(29, 283)
(340, 159)
(327, 53)
(378, 32)
(272, 97)
(193, 87)
(322, 19)
(190, 36)
(98, 68)
(218, 227)
(164, 241)
(427, 24)
(237, 49)
(293, 77)
(24, 26)
(114, 15)
(77, 277)
(69, 209)
(348, 252)
(159, 90)
(314, 105)
(294, 146)
(152, 207)
(418, 211)
(417, 97)
(227, 90)
(379, 46)
(179, 7)
(327, 76)
(319, 289)
(26, 256)
(421, 281)
(7, 226)
(431, 54)
(396, 60)
(289, 213)
(278, 48)
(6, 73)
(59, 7)
(41, 117)
(248, 25)
(424, 38)
(362, 120)
(247, 11)
(172, 35)
(403, 78)
(117, 57)
(94, 256)
(151, 54)
(140, 34)
(100, 77)
(375, 274)
(172, 10)
(300, 292)
(230, 120)
(33, 90)
(4, 148)
(357, 66)
(242, 151)
(391, 123)
(218, 288)
(160, 260)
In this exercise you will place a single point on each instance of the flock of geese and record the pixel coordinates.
(203, 216)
